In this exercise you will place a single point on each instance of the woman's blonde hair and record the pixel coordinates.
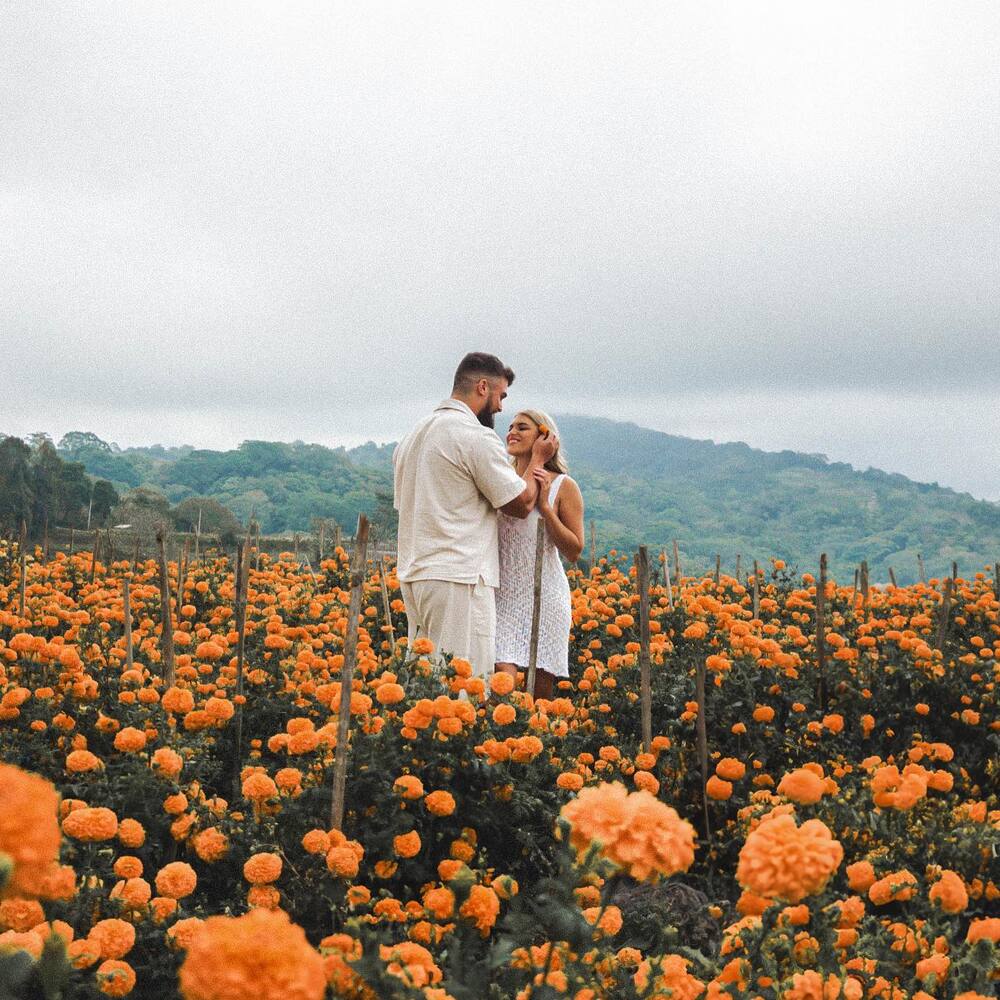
(557, 463)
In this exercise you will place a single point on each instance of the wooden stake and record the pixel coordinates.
(127, 601)
(93, 558)
(645, 683)
(241, 582)
(182, 573)
(358, 564)
(22, 586)
(72, 540)
(718, 568)
(854, 592)
(322, 536)
(996, 581)
(865, 590)
(821, 631)
(135, 554)
(593, 546)
(702, 732)
(45, 538)
(167, 634)
(536, 606)
(197, 537)
(954, 570)
(756, 590)
(111, 546)
(677, 565)
(892, 578)
(739, 560)
(666, 580)
(920, 565)
(944, 613)
(387, 611)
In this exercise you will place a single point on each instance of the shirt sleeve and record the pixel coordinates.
(491, 469)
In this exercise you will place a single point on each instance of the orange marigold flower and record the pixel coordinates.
(985, 929)
(716, 788)
(80, 761)
(410, 962)
(176, 880)
(131, 833)
(570, 780)
(730, 769)
(20, 914)
(128, 866)
(811, 985)
(90, 825)
(409, 786)
(949, 892)
(262, 868)
(501, 683)
(114, 938)
(440, 803)
(802, 785)
(130, 739)
(897, 886)
(264, 956)
(178, 701)
(504, 715)
(342, 862)
(784, 861)
(407, 845)
(634, 831)
(167, 762)
(482, 908)
(115, 978)
(258, 787)
(440, 902)
(210, 844)
(672, 979)
(29, 830)
(389, 694)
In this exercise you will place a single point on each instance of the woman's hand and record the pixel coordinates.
(544, 481)
(544, 447)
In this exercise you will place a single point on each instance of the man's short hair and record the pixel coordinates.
(477, 365)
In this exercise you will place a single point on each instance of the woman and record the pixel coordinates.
(560, 505)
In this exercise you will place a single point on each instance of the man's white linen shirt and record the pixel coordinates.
(450, 474)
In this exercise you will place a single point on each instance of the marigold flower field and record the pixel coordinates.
(176, 841)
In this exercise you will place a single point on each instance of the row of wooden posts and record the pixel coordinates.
(357, 580)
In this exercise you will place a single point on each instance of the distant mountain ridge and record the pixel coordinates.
(639, 485)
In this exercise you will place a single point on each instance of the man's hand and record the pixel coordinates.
(544, 448)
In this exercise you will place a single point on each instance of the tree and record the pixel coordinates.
(216, 519)
(144, 509)
(16, 493)
(77, 442)
(105, 496)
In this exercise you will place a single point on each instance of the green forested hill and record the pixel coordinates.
(639, 485)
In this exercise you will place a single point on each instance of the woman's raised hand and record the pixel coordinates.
(544, 481)
(545, 446)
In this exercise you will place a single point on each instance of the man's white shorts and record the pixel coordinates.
(459, 618)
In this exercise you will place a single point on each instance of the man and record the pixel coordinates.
(451, 475)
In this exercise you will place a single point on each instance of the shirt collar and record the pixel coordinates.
(456, 404)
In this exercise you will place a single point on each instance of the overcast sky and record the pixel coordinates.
(769, 222)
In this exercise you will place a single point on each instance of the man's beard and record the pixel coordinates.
(485, 416)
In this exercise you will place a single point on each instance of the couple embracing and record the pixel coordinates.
(468, 512)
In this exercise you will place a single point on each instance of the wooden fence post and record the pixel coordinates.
(94, 555)
(358, 565)
(197, 537)
(135, 554)
(854, 592)
(821, 631)
(677, 565)
(666, 580)
(701, 727)
(385, 603)
(45, 538)
(322, 537)
(167, 634)
(954, 570)
(920, 566)
(865, 589)
(756, 590)
(593, 546)
(241, 581)
(22, 576)
(127, 613)
(645, 682)
(536, 607)
(72, 540)
(944, 613)
(892, 578)
(739, 560)
(718, 568)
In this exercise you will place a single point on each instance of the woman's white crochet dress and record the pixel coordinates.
(515, 596)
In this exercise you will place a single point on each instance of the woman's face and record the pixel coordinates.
(521, 435)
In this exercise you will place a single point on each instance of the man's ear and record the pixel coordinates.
(483, 387)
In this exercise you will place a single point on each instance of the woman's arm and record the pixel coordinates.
(565, 525)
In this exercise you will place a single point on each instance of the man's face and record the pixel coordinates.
(494, 391)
